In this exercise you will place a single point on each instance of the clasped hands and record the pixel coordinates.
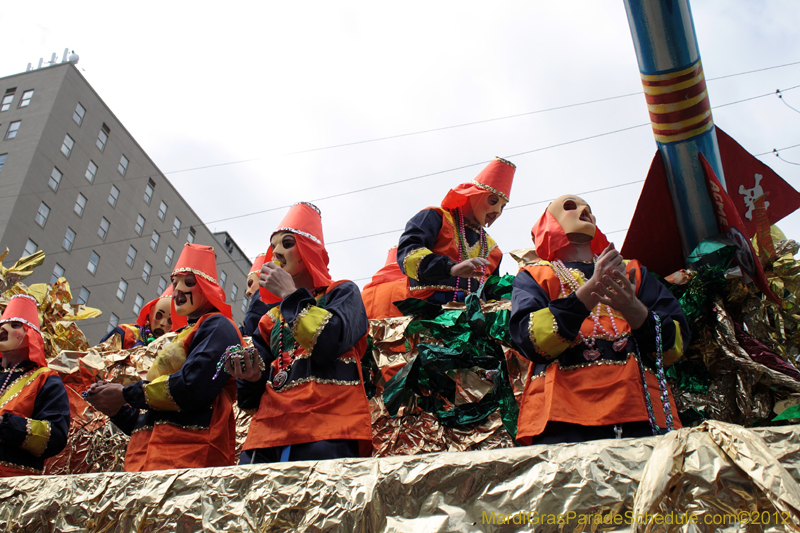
(106, 397)
(611, 285)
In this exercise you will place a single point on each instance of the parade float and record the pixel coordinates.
(444, 381)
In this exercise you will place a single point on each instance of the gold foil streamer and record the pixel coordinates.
(723, 470)
(689, 465)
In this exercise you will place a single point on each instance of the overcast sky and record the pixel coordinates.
(280, 84)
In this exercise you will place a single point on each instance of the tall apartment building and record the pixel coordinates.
(75, 184)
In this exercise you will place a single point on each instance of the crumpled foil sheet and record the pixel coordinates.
(415, 429)
(94, 443)
(741, 390)
(714, 472)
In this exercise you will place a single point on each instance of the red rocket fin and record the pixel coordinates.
(653, 236)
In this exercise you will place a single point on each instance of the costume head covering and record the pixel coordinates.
(202, 262)
(496, 178)
(549, 237)
(178, 321)
(258, 263)
(25, 309)
(390, 271)
(305, 221)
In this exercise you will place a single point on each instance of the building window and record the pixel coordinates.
(113, 196)
(123, 165)
(190, 236)
(148, 191)
(58, 272)
(176, 226)
(80, 205)
(104, 225)
(162, 210)
(154, 241)
(139, 225)
(131, 256)
(83, 296)
(102, 137)
(122, 288)
(137, 304)
(69, 240)
(42, 214)
(91, 172)
(79, 113)
(13, 129)
(244, 304)
(26, 98)
(94, 260)
(66, 146)
(6, 104)
(30, 247)
(2, 160)
(234, 291)
(223, 277)
(168, 257)
(55, 179)
(146, 271)
(162, 285)
(112, 322)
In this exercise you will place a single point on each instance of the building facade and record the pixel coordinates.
(75, 184)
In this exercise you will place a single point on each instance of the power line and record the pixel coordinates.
(565, 143)
(454, 126)
(780, 97)
(782, 159)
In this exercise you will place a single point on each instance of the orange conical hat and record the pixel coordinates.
(305, 221)
(258, 263)
(24, 308)
(497, 178)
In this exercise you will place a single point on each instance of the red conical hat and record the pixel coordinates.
(497, 178)
(258, 263)
(25, 309)
(178, 321)
(305, 221)
(549, 237)
(390, 271)
(202, 262)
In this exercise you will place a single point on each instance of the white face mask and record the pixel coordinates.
(186, 295)
(286, 253)
(12, 336)
(160, 317)
(574, 215)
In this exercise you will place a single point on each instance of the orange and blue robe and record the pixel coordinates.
(566, 394)
(180, 417)
(34, 420)
(321, 411)
(428, 249)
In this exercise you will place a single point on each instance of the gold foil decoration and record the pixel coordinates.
(720, 473)
(688, 467)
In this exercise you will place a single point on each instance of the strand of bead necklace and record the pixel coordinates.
(461, 245)
(282, 376)
(592, 353)
(8, 379)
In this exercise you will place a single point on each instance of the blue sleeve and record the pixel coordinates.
(345, 326)
(421, 232)
(51, 405)
(192, 386)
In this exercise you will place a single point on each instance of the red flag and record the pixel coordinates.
(747, 178)
(730, 224)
